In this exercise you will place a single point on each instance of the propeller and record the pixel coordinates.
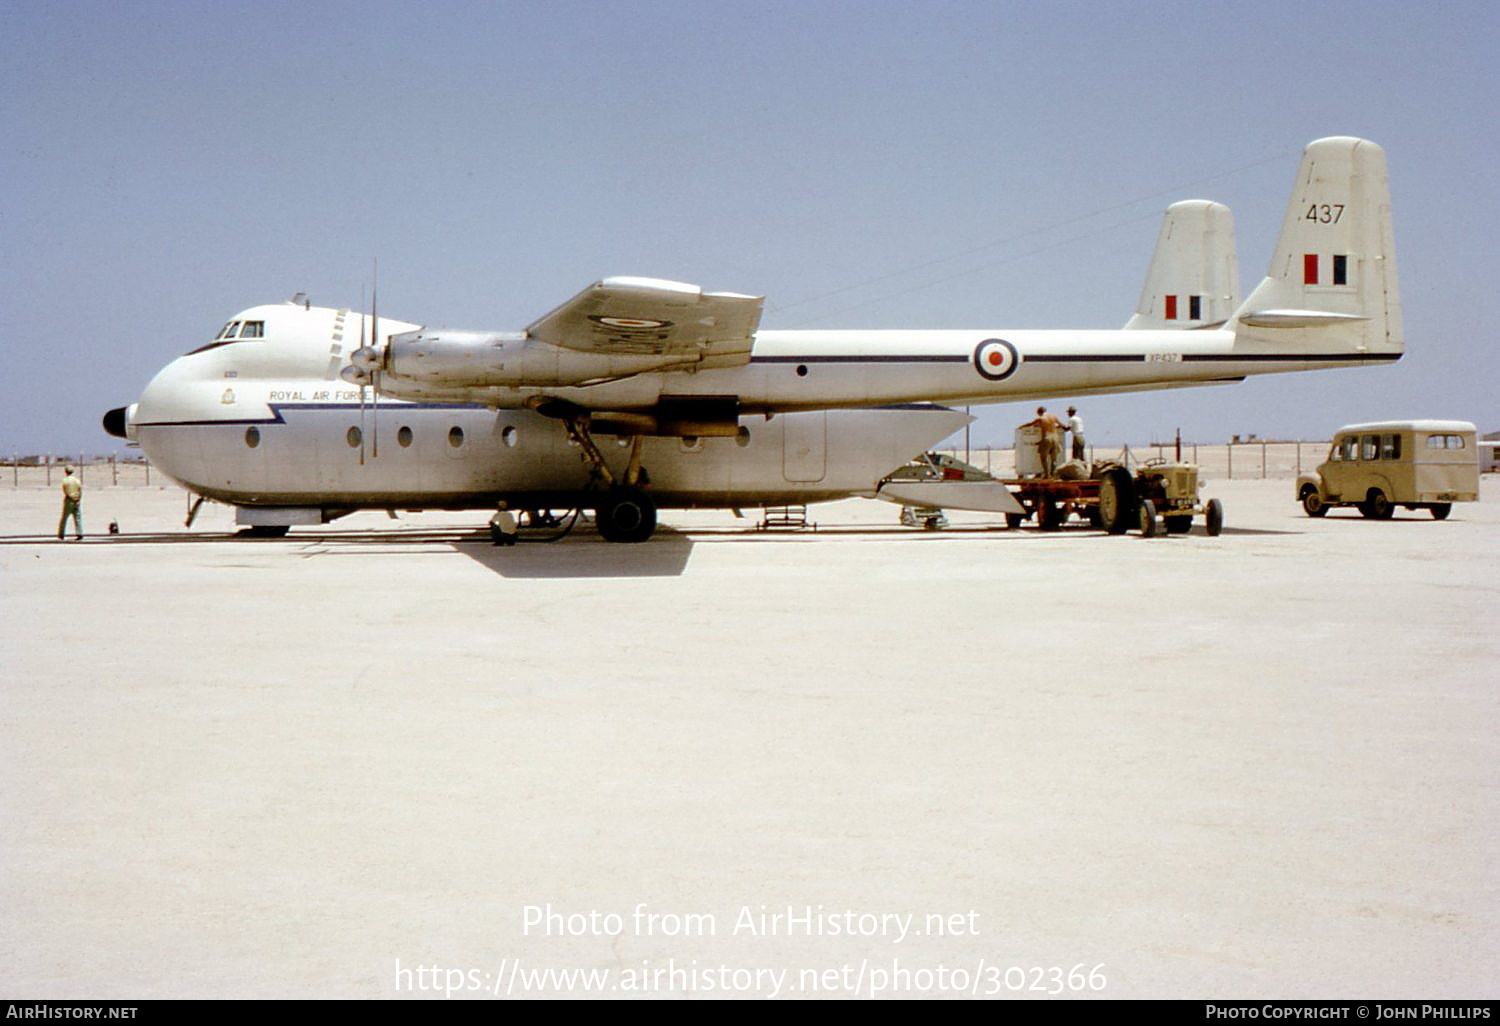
(364, 369)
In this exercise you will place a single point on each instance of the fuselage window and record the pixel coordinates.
(252, 436)
(509, 436)
(403, 437)
(692, 443)
(354, 436)
(456, 436)
(253, 329)
(742, 437)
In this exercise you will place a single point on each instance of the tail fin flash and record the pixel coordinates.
(1194, 280)
(1332, 283)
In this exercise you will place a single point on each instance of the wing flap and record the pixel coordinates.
(654, 317)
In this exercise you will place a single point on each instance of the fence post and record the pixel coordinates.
(114, 471)
(1230, 449)
(1299, 457)
(1262, 459)
(49, 470)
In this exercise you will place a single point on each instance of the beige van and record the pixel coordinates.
(1419, 464)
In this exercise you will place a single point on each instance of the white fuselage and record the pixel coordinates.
(199, 416)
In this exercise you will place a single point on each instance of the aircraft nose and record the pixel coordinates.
(114, 421)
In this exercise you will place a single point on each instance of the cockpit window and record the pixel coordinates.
(232, 332)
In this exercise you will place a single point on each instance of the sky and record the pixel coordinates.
(875, 164)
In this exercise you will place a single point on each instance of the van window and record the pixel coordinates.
(1370, 448)
(1445, 441)
(1348, 448)
(1390, 447)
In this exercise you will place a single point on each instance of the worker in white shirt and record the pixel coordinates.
(503, 526)
(1075, 425)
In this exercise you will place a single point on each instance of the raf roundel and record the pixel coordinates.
(996, 359)
(630, 323)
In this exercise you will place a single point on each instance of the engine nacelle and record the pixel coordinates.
(477, 359)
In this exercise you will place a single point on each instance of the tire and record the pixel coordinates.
(1048, 516)
(1146, 514)
(1377, 506)
(1094, 519)
(626, 515)
(1180, 524)
(1440, 510)
(1014, 520)
(1213, 517)
(1117, 500)
(1312, 502)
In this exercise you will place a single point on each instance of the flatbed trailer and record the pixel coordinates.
(1115, 500)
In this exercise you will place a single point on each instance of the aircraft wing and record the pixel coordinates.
(653, 317)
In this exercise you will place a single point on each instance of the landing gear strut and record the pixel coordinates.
(625, 512)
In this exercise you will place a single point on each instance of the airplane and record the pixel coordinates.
(704, 408)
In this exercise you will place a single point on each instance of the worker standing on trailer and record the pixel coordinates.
(1049, 445)
(1075, 427)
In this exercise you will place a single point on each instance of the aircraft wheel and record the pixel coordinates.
(1014, 520)
(1048, 516)
(266, 531)
(1116, 500)
(1180, 524)
(626, 515)
(1147, 516)
(1213, 518)
(1312, 502)
(1440, 510)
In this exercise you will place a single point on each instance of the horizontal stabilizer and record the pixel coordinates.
(980, 496)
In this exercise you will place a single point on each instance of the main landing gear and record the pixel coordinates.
(625, 513)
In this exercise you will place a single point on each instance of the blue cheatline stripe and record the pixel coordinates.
(1284, 357)
(1086, 358)
(276, 417)
(860, 359)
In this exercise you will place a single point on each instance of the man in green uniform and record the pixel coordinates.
(72, 490)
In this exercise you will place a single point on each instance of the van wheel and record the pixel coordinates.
(1312, 502)
(1440, 510)
(1376, 506)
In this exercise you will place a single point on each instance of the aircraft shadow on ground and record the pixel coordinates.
(581, 553)
(586, 555)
